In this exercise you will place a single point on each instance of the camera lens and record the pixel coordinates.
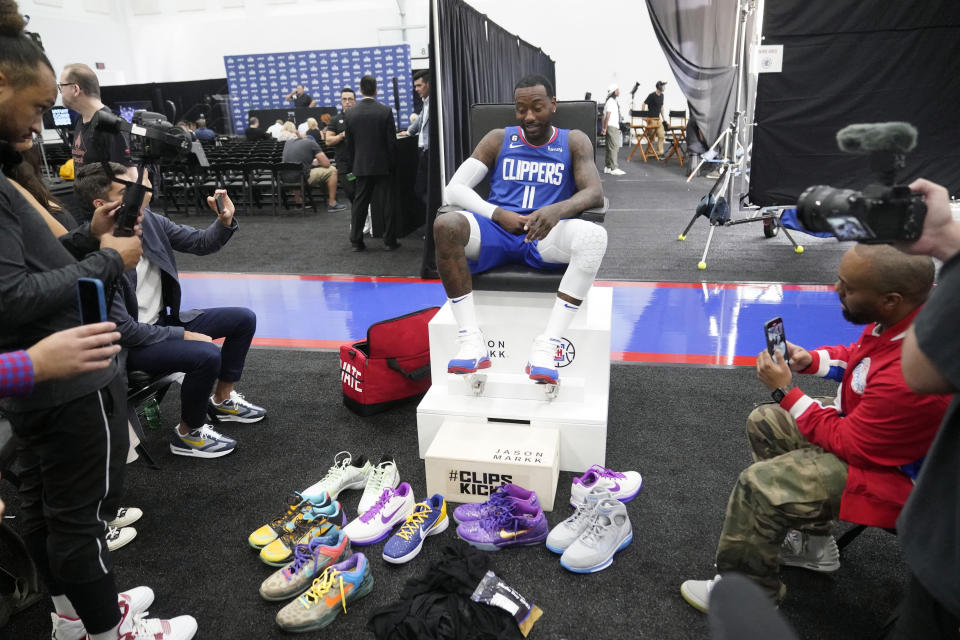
(819, 202)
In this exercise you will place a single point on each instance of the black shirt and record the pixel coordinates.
(255, 133)
(654, 103)
(302, 100)
(929, 525)
(90, 145)
(338, 125)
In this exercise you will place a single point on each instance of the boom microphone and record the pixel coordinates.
(896, 137)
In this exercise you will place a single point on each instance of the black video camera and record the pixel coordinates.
(884, 212)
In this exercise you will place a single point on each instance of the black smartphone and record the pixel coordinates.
(776, 339)
(218, 199)
(90, 297)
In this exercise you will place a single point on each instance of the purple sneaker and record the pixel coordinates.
(501, 496)
(516, 524)
(622, 485)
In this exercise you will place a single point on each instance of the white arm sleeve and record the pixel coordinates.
(459, 191)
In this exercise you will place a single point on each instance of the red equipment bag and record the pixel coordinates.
(392, 365)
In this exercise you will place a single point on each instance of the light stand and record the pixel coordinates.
(733, 153)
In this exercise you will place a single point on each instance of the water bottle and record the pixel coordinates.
(151, 414)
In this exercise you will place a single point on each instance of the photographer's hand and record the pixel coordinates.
(941, 233)
(129, 249)
(773, 373)
(73, 351)
(104, 219)
(225, 216)
(800, 358)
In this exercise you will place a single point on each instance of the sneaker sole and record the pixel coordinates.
(121, 544)
(440, 528)
(602, 565)
(233, 418)
(193, 453)
(696, 604)
(365, 588)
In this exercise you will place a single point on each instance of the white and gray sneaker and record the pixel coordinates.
(126, 516)
(609, 532)
(119, 537)
(564, 534)
(697, 592)
(816, 553)
(236, 408)
(346, 473)
(203, 442)
(138, 600)
(382, 476)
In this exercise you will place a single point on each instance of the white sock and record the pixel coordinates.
(464, 312)
(112, 634)
(560, 318)
(63, 606)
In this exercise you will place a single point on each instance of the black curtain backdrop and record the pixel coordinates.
(850, 62)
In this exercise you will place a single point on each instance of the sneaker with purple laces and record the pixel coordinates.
(502, 495)
(514, 524)
(622, 485)
(377, 522)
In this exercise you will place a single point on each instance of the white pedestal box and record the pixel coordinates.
(464, 464)
(510, 321)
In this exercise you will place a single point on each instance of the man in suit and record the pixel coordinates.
(160, 336)
(372, 153)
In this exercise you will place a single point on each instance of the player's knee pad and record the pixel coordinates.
(587, 247)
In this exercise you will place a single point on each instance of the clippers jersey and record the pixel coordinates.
(527, 178)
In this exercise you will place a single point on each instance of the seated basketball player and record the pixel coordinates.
(543, 178)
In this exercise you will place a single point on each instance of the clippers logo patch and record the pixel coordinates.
(858, 381)
(565, 354)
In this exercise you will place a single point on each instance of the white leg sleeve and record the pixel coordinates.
(581, 245)
(472, 250)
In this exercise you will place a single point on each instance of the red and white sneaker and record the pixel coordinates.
(136, 626)
(138, 599)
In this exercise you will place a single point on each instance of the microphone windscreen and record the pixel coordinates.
(899, 137)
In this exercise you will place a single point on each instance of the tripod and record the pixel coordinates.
(714, 206)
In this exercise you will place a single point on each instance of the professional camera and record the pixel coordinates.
(152, 139)
(884, 212)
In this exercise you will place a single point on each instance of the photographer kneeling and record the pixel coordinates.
(165, 339)
(820, 460)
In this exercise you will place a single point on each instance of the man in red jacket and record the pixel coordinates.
(852, 457)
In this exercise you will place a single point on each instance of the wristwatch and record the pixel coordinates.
(779, 394)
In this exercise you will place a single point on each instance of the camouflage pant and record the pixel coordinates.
(792, 484)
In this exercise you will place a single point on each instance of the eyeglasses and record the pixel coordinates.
(61, 85)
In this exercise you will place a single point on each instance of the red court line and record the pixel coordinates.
(197, 275)
(300, 343)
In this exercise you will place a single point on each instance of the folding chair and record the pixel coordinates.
(261, 181)
(290, 178)
(676, 135)
(643, 125)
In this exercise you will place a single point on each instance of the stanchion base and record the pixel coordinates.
(701, 265)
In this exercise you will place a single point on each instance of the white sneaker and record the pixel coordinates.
(697, 592)
(609, 531)
(623, 485)
(346, 473)
(138, 599)
(542, 365)
(618, 172)
(119, 537)
(816, 553)
(377, 523)
(607, 170)
(472, 355)
(126, 516)
(383, 476)
(565, 534)
(136, 626)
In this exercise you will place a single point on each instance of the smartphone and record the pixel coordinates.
(93, 306)
(776, 339)
(218, 199)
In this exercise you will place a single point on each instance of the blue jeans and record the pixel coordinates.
(203, 362)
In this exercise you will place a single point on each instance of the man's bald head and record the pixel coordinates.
(877, 283)
(896, 272)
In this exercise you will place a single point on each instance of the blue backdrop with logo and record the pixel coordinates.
(261, 81)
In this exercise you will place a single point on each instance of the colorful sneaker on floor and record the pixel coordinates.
(609, 532)
(346, 473)
(542, 365)
(383, 476)
(309, 560)
(203, 442)
(816, 553)
(118, 537)
(515, 524)
(565, 534)
(236, 409)
(286, 521)
(126, 516)
(428, 519)
(137, 599)
(502, 495)
(136, 626)
(378, 521)
(472, 353)
(337, 586)
(315, 521)
(624, 485)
